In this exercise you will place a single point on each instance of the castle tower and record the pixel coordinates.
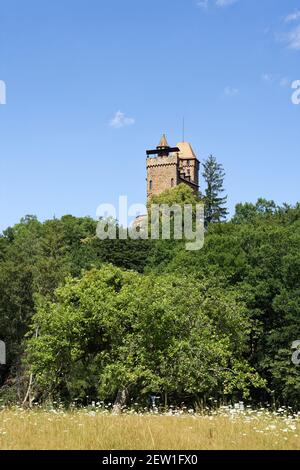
(168, 167)
(189, 165)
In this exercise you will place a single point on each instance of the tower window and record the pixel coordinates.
(172, 182)
(150, 184)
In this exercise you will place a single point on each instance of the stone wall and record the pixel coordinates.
(162, 172)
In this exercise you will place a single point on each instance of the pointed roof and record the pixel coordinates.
(163, 142)
(186, 150)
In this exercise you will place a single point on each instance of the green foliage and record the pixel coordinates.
(163, 251)
(116, 329)
(181, 194)
(213, 173)
(249, 213)
(260, 259)
(217, 322)
(35, 259)
(128, 254)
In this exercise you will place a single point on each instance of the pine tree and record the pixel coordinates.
(215, 208)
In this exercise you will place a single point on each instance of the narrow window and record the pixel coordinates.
(172, 182)
(150, 185)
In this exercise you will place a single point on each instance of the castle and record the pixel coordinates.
(168, 167)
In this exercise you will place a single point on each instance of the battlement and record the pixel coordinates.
(162, 161)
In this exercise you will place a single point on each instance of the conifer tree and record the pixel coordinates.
(215, 203)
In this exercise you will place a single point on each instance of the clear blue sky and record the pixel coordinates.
(71, 65)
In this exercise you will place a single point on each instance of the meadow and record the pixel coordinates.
(89, 429)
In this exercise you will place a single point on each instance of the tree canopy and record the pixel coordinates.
(88, 317)
(116, 329)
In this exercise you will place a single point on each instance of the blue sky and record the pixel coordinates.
(92, 84)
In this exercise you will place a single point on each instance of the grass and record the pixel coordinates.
(98, 430)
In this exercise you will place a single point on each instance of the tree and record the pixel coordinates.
(174, 329)
(258, 255)
(35, 258)
(248, 212)
(116, 330)
(213, 173)
(181, 194)
(163, 251)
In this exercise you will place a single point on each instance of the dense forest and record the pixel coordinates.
(85, 319)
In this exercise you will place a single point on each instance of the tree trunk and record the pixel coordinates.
(28, 396)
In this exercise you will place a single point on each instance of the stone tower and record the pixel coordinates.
(168, 167)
